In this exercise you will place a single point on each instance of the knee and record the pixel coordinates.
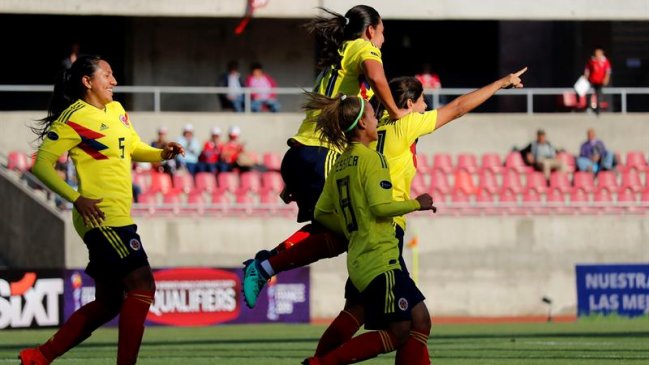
(421, 319)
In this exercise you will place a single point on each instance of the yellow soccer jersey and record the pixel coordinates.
(347, 78)
(359, 180)
(397, 142)
(101, 144)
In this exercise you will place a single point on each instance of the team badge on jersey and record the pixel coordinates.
(124, 119)
(403, 304)
(135, 244)
(52, 135)
(385, 184)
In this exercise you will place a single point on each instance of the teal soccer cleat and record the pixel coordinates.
(253, 282)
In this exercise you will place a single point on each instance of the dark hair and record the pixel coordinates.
(68, 88)
(330, 33)
(403, 88)
(336, 115)
(255, 66)
(232, 65)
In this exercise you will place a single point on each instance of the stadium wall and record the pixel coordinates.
(468, 266)
(474, 133)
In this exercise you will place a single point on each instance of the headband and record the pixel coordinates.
(360, 114)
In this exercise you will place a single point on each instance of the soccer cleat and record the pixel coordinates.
(253, 282)
(262, 255)
(311, 361)
(32, 356)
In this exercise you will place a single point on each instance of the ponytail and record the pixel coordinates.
(331, 32)
(68, 88)
(338, 117)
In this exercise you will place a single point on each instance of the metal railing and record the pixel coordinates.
(157, 92)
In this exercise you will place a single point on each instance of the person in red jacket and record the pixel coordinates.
(598, 73)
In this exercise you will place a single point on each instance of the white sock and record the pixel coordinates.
(268, 270)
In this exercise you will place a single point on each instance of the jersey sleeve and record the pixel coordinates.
(418, 124)
(59, 139)
(376, 180)
(325, 209)
(369, 52)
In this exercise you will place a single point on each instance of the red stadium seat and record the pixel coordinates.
(534, 202)
(584, 180)
(580, 198)
(172, 197)
(219, 197)
(512, 181)
(508, 200)
(147, 198)
(272, 161)
(18, 161)
(243, 198)
(423, 163)
(439, 181)
(464, 182)
(143, 180)
(249, 181)
(271, 181)
(160, 183)
(183, 182)
(568, 160)
(492, 161)
(269, 197)
(486, 201)
(488, 181)
(467, 161)
(443, 162)
(205, 181)
(635, 160)
(629, 198)
(195, 198)
(556, 201)
(227, 181)
(514, 161)
(536, 181)
(419, 185)
(560, 180)
(631, 180)
(570, 100)
(607, 180)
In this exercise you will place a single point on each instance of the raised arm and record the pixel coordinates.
(375, 75)
(472, 100)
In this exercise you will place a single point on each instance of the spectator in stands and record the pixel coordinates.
(598, 73)
(542, 155)
(81, 104)
(231, 149)
(211, 153)
(231, 79)
(429, 80)
(67, 62)
(593, 155)
(168, 166)
(192, 150)
(263, 96)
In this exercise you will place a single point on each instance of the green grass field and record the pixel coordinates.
(593, 341)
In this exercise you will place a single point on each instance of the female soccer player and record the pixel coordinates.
(84, 120)
(351, 61)
(357, 200)
(396, 141)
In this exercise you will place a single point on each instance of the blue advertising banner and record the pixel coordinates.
(613, 289)
(198, 296)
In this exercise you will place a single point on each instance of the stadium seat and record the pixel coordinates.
(512, 181)
(147, 198)
(568, 160)
(443, 162)
(219, 197)
(143, 180)
(249, 181)
(536, 181)
(636, 160)
(269, 197)
(488, 181)
(160, 183)
(243, 198)
(172, 197)
(631, 180)
(533, 202)
(418, 185)
(423, 164)
(183, 182)
(195, 198)
(464, 182)
(462, 198)
(580, 199)
(583, 180)
(227, 181)
(607, 180)
(560, 180)
(628, 199)
(570, 100)
(205, 181)
(556, 201)
(492, 161)
(603, 199)
(508, 201)
(467, 161)
(485, 200)
(18, 161)
(514, 161)
(272, 161)
(439, 196)
(271, 181)
(439, 182)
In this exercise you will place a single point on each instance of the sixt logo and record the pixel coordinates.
(30, 300)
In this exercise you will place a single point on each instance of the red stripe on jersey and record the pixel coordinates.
(413, 149)
(83, 131)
